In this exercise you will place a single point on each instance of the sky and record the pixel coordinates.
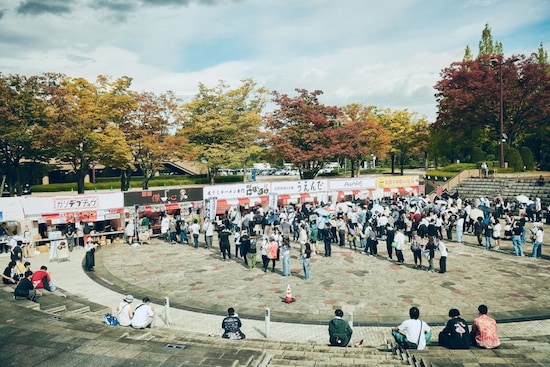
(384, 53)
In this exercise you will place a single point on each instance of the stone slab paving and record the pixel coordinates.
(373, 291)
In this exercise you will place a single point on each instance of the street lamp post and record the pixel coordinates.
(501, 106)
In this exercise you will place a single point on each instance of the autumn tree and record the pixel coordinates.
(468, 97)
(22, 111)
(222, 125)
(79, 114)
(407, 134)
(301, 131)
(359, 136)
(146, 127)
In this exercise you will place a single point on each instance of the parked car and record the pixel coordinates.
(25, 190)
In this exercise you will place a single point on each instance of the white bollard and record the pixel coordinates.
(167, 310)
(267, 321)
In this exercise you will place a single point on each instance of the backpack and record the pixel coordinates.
(110, 320)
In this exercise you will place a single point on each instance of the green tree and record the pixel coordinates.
(407, 134)
(488, 47)
(222, 125)
(22, 111)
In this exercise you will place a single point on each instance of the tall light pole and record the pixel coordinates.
(502, 138)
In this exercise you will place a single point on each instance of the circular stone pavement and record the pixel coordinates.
(378, 292)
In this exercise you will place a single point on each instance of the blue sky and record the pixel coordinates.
(383, 53)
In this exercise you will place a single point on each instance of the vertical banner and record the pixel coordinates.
(210, 208)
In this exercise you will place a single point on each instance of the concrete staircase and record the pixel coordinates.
(508, 188)
(513, 352)
(63, 331)
(59, 331)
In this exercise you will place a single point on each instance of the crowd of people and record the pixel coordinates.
(411, 229)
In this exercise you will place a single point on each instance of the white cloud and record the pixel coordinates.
(385, 54)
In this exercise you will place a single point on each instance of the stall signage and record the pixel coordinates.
(76, 203)
(392, 182)
(237, 191)
(299, 187)
(353, 184)
(162, 196)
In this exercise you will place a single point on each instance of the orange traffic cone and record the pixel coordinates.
(288, 297)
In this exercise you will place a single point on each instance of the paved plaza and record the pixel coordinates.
(374, 292)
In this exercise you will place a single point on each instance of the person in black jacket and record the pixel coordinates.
(456, 334)
(25, 288)
(231, 325)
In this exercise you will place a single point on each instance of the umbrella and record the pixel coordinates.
(522, 199)
(377, 208)
(322, 212)
(476, 213)
(485, 209)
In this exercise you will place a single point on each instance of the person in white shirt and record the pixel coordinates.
(195, 231)
(125, 311)
(412, 333)
(537, 244)
(443, 255)
(143, 315)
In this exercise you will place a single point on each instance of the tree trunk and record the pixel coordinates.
(392, 157)
(80, 181)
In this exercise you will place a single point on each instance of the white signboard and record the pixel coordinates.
(36, 206)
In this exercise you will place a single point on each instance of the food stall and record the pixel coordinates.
(220, 199)
(98, 215)
(147, 206)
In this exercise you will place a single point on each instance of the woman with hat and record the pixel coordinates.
(125, 311)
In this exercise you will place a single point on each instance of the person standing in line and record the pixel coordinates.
(125, 311)
(306, 257)
(399, 239)
(390, 236)
(273, 251)
(90, 249)
(245, 245)
(252, 249)
(208, 233)
(195, 230)
(484, 330)
(430, 249)
(537, 243)
(460, 229)
(416, 248)
(144, 315)
(237, 241)
(339, 330)
(516, 239)
(263, 250)
(443, 255)
(225, 246)
(285, 251)
(497, 229)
